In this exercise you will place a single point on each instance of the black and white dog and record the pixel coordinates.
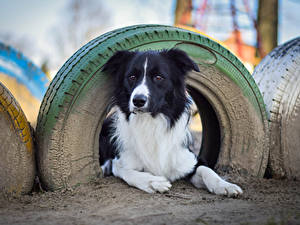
(146, 140)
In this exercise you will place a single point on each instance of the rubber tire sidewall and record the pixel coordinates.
(17, 166)
(278, 77)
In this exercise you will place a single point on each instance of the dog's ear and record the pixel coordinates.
(181, 59)
(117, 62)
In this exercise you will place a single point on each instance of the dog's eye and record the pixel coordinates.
(132, 77)
(158, 78)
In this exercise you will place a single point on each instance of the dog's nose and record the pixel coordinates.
(139, 100)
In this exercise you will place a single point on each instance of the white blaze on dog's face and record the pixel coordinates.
(139, 98)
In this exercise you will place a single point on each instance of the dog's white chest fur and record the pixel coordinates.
(149, 145)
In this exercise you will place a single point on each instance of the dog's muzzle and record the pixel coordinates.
(139, 101)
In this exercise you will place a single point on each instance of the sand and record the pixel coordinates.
(112, 201)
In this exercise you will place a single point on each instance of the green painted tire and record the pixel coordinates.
(77, 101)
(17, 163)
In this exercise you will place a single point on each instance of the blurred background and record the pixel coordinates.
(48, 32)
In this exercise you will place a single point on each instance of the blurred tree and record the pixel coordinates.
(82, 21)
(45, 68)
(24, 44)
(267, 26)
(183, 12)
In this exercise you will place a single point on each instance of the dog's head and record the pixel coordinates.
(150, 81)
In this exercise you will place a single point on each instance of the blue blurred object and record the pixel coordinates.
(16, 65)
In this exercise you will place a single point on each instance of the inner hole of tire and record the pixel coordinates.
(211, 134)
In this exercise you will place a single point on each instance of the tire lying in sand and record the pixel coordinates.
(278, 77)
(78, 99)
(17, 164)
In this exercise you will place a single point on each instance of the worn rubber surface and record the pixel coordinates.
(77, 101)
(278, 77)
(17, 164)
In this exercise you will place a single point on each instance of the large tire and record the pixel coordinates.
(278, 77)
(17, 164)
(77, 101)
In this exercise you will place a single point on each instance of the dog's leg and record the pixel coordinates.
(206, 177)
(141, 180)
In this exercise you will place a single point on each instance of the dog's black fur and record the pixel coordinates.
(167, 97)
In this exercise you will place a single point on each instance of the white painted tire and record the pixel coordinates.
(278, 77)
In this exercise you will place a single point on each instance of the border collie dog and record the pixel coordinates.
(145, 141)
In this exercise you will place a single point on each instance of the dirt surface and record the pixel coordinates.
(111, 201)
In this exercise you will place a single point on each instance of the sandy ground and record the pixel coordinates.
(111, 201)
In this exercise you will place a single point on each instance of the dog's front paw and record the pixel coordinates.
(226, 188)
(156, 184)
(214, 183)
(161, 186)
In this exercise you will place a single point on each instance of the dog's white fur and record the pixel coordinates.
(157, 156)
